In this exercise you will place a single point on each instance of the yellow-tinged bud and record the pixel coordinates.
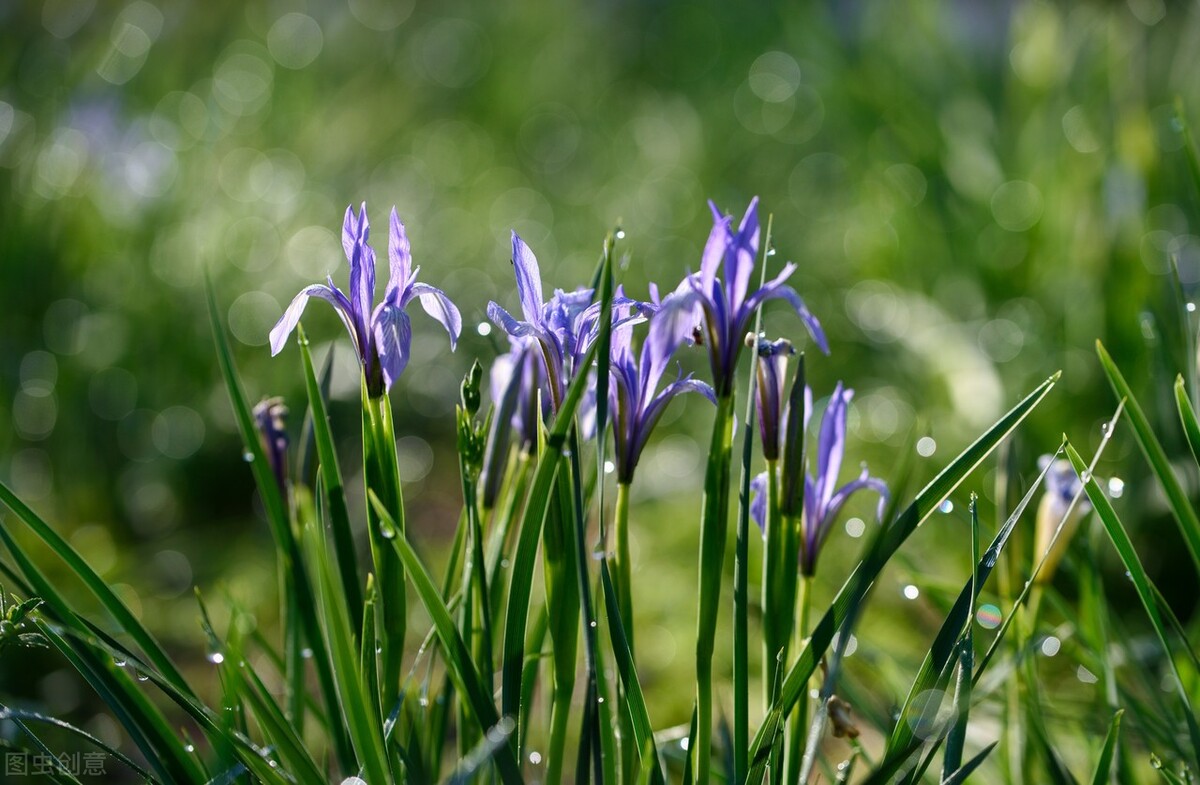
(1062, 486)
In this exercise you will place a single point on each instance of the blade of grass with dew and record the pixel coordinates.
(1141, 582)
(889, 541)
(304, 453)
(525, 553)
(952, 758)
(115, 606)
(145, 723)
(1181, 507)
(22, 716)
(362, 721)
(968, 768)
(1104, 766)
(458, 657)
(493, 742)
(1187, 417)
(335, 490)
(61, 773)
(290, 748)
(635, 701)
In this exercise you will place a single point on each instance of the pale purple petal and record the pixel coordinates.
(350, 232)
(863, 482)
(438, 305)
(399, 258)
(669, 328)
(758, 501)
(529, 280)
(291, 317)
(740, 261)
(714, 248)
(654, 410)
(831, 444)
(505, 321)
(362, 266)
(393, 336)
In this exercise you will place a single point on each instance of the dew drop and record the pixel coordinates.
(592, 624)
(1116, 487)
(1051, 646)
(216, 658)
(946, 506)
(248, 457)
(911, 592)
(926, 446)
(120, 662)
(599, 700)
(306, 654)
(989, 616)
(423, 701)
(609, 467)
(483, 328)
(620, 234)
(1191, 307)
(1085, 675)
(189, 748)
(771, 251)
(683, 743)
(535, 758)
(504, 564)
(142, 676)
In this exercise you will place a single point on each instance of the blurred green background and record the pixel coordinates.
(974, 192)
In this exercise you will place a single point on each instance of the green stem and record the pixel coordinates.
(624, 571)
(382, 476)
(799, 724)
(562, 604)
(713, 534)
(778, 610)
(560, 716)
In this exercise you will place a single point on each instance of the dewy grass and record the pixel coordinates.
(529, 669)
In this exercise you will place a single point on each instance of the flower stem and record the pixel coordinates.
(713, 534)
(799, 725)
(382, 475)
(624, 572)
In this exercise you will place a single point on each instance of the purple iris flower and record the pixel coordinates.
(635, 381)
(564, 326)
(718, 310)
(771, 368)
(516, 379)
(822, 500)
(382, 334)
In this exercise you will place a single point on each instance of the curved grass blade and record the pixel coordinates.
(1181, 506)
(115, 606)
(7, 712)
(968, 768)
(335, 491)
(635, 701)
(357, 708)
(458, 656)
(493, 742)
(888, 542)
(525, 553)
(61, 771)
(1187, 417)
(1141, 583)
(1104, 766)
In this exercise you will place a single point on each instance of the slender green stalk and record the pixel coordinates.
(382, 476)
(799, 719)
(741, 603)
(624, 571)
(777, 563)
(562, 604)
(713, 533)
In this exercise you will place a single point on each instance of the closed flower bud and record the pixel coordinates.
(1062, 486)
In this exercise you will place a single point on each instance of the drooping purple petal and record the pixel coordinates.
(653, 411)
(291, 317)
(864, 481)
(399, 259)
(775, 289)
(505, 321)
(529, 280)
(393, 337)
(438, 305)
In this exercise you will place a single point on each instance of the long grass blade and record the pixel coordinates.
(1181, 507)
(1104, 766)
(890, 540)
(22, 716)
(1141, 583)
(458, 656)
(968, 768)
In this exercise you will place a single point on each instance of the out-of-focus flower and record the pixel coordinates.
(635, 380)
(382, 333)
(270, 415)
(717, 311)
(771, 368)
(1062, 486)
(823, 500)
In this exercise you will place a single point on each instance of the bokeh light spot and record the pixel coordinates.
(252, 316)
(295, 40)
